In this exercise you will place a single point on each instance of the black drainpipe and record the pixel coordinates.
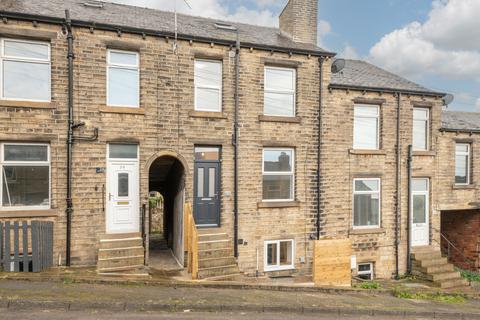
(235, 148)
(399, 185)
(409, 260)
(320, 60)
(69, 211)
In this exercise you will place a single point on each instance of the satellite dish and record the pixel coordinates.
(447, 99)
(338, 65)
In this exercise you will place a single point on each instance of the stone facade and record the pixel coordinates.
(299, 20)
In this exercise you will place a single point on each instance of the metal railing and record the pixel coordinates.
(450, 246)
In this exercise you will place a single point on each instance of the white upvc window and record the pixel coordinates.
(279, 95)
(421, 129)
(366, 133)
(365, 271)
(25, 176)
(462, 163)
(25, 70)
(123, 79)
(278, 174)
(366, 203)
(208, 85)
(279, 255)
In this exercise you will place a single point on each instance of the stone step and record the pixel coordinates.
(120, 252)
(434, 269)
(215, 244)
(212, 236)
(121, 235)
(124, 269)
(216, 262)
(433, 262)
(215, 253)
(452, 283)
(217, 271)
(426, 255)
(120, 243)
(120, 262)
(441, 276)
(423, 249)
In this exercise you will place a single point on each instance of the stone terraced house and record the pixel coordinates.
(105, 106)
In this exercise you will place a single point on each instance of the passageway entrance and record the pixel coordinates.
(167, 191)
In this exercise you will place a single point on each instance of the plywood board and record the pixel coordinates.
(331, 262)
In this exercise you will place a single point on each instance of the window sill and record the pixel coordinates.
(367, 152)
(28, 213)
(124, 110)
(367, 231)
(464, 186)
(207, 114)
(424, 153)
(278, 204)
(264, 118)
(281, 270)
(28, 104)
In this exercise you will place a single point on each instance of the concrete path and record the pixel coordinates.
(18, 296)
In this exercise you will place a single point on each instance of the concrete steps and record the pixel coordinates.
(121, 255)
(428, 263)
(216, 260)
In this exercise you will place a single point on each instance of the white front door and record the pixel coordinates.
(123, 211)
(420, 229)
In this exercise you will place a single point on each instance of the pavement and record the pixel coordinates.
(56, 300)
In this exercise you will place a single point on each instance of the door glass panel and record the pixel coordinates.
(211, 182)
(123, 151)
(200, 181)
(419, 209)
(123, 184)
(271, 254)
(207, 153)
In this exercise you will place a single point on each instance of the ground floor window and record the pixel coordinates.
(365, 271)
(279, 255)
(25, 174)
(366, 203)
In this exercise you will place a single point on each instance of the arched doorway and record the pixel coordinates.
(167, 178)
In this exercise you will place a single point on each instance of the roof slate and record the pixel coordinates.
(457, 120)
(359, 73)
(155, 20)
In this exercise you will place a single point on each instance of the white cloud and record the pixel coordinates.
(211, 9)
(447, 44)
(349, 52)
(323, 30)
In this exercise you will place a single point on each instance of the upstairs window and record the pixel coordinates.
(25, 172)
(421, 127)
(208, 85)
(279, 96)
(462, 164)
(25, 68)
(123, 79)
(278, 176)
(366, 203)
(366, 127)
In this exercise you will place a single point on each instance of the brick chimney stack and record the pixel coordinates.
(298, 20)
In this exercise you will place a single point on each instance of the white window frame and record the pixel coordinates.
(469, 159)
(368, 192)
(25, 164)
(289, 92)
(280, 173)
(123, 159)
(277, 266)
(47, 61)
(219, 87)
(377, 118)
(370, 273)
(427, 126)
(123, 66)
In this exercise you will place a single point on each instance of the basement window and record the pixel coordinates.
(25, 70)
(365, 271)
(25, 175)
(279, 255)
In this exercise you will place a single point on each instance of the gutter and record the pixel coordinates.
(470, 131)
(399, 186)
(320, 105)
(385, 90)
(155, 33)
